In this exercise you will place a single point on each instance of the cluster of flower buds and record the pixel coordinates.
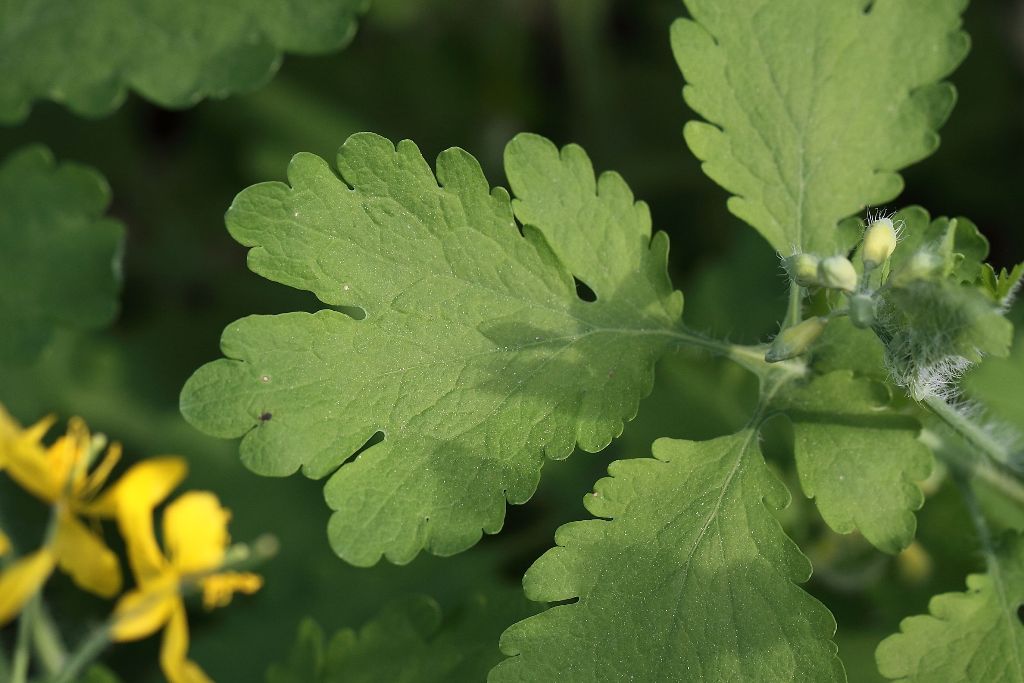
(838, 273)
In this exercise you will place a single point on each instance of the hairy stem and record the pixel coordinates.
(970, 432)
(967, 466)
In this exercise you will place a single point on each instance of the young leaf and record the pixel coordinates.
(408, 642)
(688, 577)
(812, 106)
(476, 357)
(172, 52)
(60, 258)
(971, 637)
(858, 460)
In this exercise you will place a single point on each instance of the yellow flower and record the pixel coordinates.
(5, 543)
(59, 475)
(196, 539)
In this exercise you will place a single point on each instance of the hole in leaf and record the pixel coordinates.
(1020, 612)
(583, 291)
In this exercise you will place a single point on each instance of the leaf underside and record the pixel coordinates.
(689, 577)
(856, 458)
(812, 107)
(476, 357)
(60, 258)
(971, 637)
(172, 52)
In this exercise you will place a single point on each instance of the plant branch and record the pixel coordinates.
(969, 431)
(967, 467)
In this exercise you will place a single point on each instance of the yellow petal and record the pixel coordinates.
(5, 543)
(86, 558)
(142, 612)
(174, 652)
(196, 532)
(145, 485)
(132, 500)
(23, 579)
(220, 588)
(25, 458)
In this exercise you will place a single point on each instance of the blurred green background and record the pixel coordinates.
(469, 74)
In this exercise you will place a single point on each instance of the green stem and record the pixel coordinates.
(19, 667)
(969, 431)
(968, 467)
(49, 646)
(86, 654)
(795, 309)
(749, 357)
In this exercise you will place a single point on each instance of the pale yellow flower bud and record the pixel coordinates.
(836, 272)
(879, 243)
(803, 269)
(795, 340)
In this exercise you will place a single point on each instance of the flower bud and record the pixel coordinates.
(803, 269)
(879, 243)
(836, 272)
(795, 340)
(862, 310)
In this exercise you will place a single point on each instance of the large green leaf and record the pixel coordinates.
(60, 258)
(408, 642)
(173, 52)
(971, 637)
(858, 459)
(476, 357)
(689, 577)
(811, 107)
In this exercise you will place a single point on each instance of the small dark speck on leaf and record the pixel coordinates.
(1020, 612)
(265, 416)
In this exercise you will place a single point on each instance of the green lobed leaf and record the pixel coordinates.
(812, 107)
(858, 459)
(476, 357)
(60, 258)
(688, 577)
(174, 53)
(957, 240)
(408, 642)
(970, 637)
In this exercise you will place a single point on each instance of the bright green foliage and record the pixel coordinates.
(957, 241)
(856, 458)
(60, 258)
(408, 642)
(971, 637)
(812, 106)
(941, 307)
(476, 357)
(689, 577)
(935, 328)
(997, 382)
(173, 52)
